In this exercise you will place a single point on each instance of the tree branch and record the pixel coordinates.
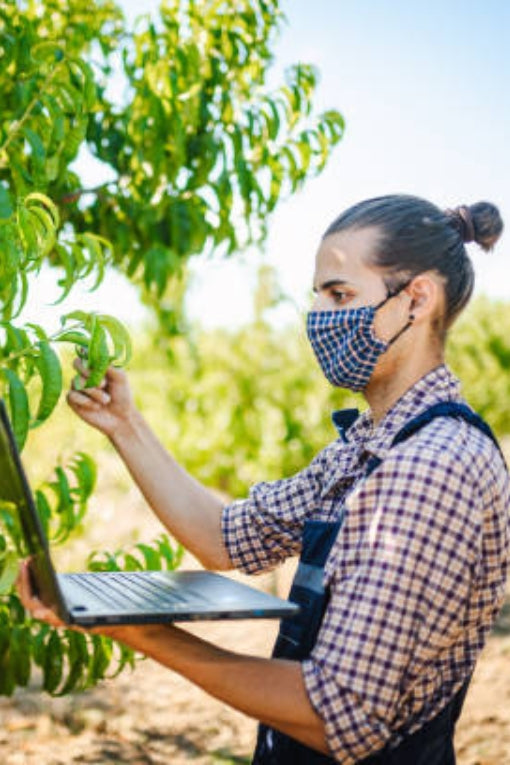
(18, 124)
(73, 196)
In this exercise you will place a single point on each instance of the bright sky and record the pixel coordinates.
(423, 88)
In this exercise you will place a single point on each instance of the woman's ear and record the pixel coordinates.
(427, 297)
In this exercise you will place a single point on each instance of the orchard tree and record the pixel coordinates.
(197, 153)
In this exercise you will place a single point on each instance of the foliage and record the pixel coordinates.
(479, 353)
(252, 405)
(197, 153)
(257, 408)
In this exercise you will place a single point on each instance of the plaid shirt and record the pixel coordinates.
(417, 572)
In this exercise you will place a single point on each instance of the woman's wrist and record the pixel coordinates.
(129, 427)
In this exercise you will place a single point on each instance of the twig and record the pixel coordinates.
(18, 124)
(73, 196)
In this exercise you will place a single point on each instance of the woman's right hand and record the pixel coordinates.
(107, 407)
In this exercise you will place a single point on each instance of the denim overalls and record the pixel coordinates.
(430, 745)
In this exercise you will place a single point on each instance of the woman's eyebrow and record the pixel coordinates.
(330, 283)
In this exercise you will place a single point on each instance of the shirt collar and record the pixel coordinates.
(437, 385)
(343, 419)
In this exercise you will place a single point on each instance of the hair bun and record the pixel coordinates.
(480, 223)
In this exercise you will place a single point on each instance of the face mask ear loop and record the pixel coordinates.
(391, 295)
(385, 300)
(401, 331)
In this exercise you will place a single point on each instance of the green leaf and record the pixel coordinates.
(72, 336)
(38, 645)
(130, 563)
(94, 245)
(85, 471)
(7, 679)
(122, 349)
(68, 97)
(77, 659)
(99, 356)
(68, 263)
(101, 657)
(62, 490)
(27, 231)
(48, 365)
(151, 557)
(53, 663)
(16, 339)
(6, 208)
(126, 659)
(18, 407)
(35, 201)
(87, 82)
(20, 294)
(82, 316)
(10, 567)
(9, 518)
(40, 333)
(43, 509)
(21, 654)
(36, 144)
(171, 554)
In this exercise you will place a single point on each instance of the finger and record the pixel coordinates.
(77, 400)
(79, 382)
(115, 374)
(24, 585)
(23, 582)
(81, 367)
(31, 602)
(96, 394)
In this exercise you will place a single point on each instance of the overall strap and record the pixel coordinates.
(298, 633)
(442, 409)
(297, 637)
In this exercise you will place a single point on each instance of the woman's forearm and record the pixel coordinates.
(269, 690)
(189, 511)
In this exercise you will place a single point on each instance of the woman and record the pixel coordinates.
(402, 523)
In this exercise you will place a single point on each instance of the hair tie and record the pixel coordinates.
(468, 228)
(462, 220)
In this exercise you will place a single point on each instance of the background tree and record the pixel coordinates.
(198, 153)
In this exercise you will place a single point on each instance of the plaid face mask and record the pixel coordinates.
(345, 343)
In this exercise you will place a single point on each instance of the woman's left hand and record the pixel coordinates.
(31, 602)
(39, 611)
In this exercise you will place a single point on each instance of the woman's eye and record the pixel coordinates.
(339, 297)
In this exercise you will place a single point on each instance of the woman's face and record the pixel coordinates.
(344, 279)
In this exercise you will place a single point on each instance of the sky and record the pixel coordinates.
(423, 88)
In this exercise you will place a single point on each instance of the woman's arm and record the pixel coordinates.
(269, 690)
(189, 511)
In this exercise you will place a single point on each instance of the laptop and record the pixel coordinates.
(127, 597)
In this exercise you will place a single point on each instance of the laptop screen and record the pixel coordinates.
(17, 507)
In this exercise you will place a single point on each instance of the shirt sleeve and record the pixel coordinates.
(263, 530)
(399, 575)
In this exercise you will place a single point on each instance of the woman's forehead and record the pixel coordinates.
(347, 255)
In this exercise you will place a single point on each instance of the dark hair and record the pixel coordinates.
(417, 236)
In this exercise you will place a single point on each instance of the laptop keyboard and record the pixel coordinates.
(125, 589)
